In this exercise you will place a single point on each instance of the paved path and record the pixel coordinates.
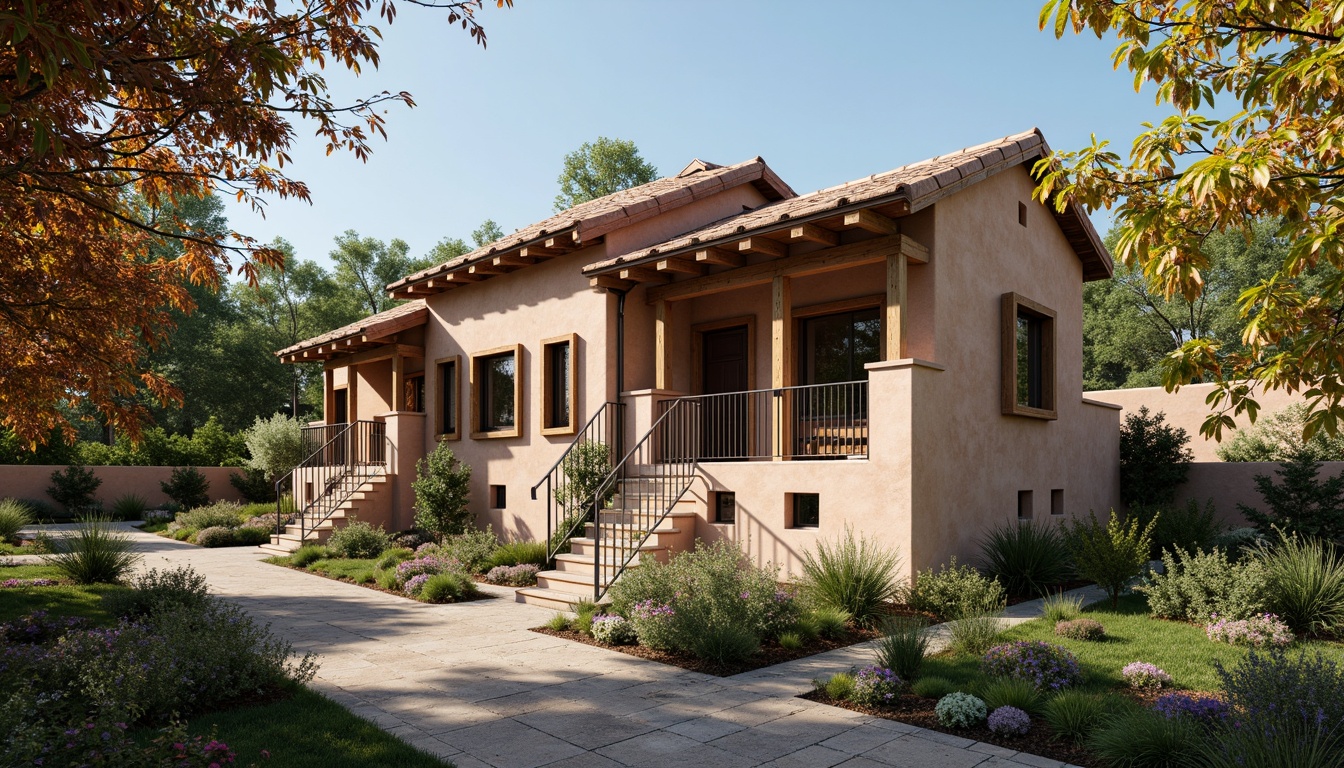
(470, 683)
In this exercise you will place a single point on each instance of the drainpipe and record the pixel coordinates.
(620, 372)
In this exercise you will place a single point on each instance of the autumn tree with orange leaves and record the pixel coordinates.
(111, 110)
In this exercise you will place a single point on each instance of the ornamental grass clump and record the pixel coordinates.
(1011, 692)
(1257, 632)
(853, 575)
(840, 686)
(1304, 579)
(1028, 559)
(95, 554)
(876, 687)
(1141, 738)
(14, 515)
(1009, 721)
(519, 553)
(610, 629)
(933, 687)
(1048, 667)
(976, 629)
(960, 710)
(1081, 629)
(1144, 676)
(902, 646)
(446, 587)
(307, 555)
(1073, 715)
(1061, 607)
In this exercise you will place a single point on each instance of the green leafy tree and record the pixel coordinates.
(365, 264)
(1278, 437)
(1112, 555)
(442, 490)
(600, 168)
(276, 445)
(486, 234)
(1277, 156)
(1154, 459)
(188, 487)
(1301, 503)
(74, 487)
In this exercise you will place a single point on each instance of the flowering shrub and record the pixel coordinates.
(1201, 708)
(1282, 700)
(1009, 721)
(513, 575)
(1048, 667)
(1258, 631)
(105, 743)
(37, 628)
(215, 536)
(415, 583)
(959, 710)
(876, 686)
(653, 624)
(1081, 629)
(1141, 674)
(613, 630)
(17, 583)
(426, 564)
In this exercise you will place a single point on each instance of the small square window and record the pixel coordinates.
(806, 510)
(725, 507)
(1024, 505)
(498, 497)
(1028, 358)
(1022, 213)
(1057, 502)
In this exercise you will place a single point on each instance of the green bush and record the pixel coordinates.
(358, 539)
(155, 591)
(1154, 459)
(187, 487)
(473, 548)
(976, 629)
(902, 646)
(1278, 438)
(1194, 587)
(1300, 504)
(519, 553)
(307, 555)
(442, 489)
(74, 487)
(1179, 526)
(223, 514)
(725, 642)
(95, 554)
(1073, 715)
(1144, 739)
(254, 486)
(275, 445)
(215, 536)
(1060, 607)
(448, 587)
(252, 536)
(131, 506)
(14, 515)
(1112, 555)
(392, 557)
(1011, 692)
(791, 641)
(933, 687)
(840, 686)
(829, 622)
(583, 470)
(1304, 582)
(1027, 559)
(946, 591)
(857, 576)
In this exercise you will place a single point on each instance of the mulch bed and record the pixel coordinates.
(376, 588)
(769, 655)
(916, 710)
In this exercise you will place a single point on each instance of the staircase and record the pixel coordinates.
(294, 535)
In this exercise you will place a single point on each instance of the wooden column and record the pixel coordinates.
(781, 357)
(398, 384)
(328, 396)
(662, 377)
(896, 303)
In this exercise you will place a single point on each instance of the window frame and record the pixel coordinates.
(439, 411)
(408, 385)
(801, 316)
(547, 382)
(792, 501)
(719, 498)
(1013, 306)
(478, 430)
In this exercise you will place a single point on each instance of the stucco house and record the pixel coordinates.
(900, 354)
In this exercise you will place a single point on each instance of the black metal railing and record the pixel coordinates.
(639, 493)
(344, 463)
(804, 422)
(571, 483)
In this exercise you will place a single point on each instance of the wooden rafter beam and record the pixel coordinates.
(541, 252)
(483, 268)
(610, 283)
(681, 265)
(565, 243)
(764, 246)
(871, 221)
(811, 233)
(718, 257)
(513, 260)
(644, 275)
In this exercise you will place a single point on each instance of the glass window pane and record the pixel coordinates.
(558, 361)
(500, 370)
(448, 395)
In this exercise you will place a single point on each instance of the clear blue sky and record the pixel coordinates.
(824, 91)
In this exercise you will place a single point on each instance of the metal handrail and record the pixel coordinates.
(362, 451)
(562, 504)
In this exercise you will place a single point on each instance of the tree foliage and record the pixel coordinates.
(442, 488)
(1278, 437)
(486, 234)
(1300, 503)
(367, 264)
(110, 112)
(599, 168)
(276, 445)
(1280, 155)
(1154, 459)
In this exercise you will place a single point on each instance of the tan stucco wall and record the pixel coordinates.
(1228, 484)
(32, 481)
(1186, 408)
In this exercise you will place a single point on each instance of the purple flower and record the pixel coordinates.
(1009, 721)
(1141, 674)
(1203, 709)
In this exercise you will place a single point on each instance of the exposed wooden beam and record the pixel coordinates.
(461, 277)
(761, 245)
(841, 257)
(871, 221)
(895, 324)
(513, 260)
(914, 252)
(385, 352)
(540, 252)
(812, 233)
(644, 275)
(781, 356)
(682, 265)
(610, 283)
(662, 372)
(566, 243)
(486, 269)
(718, 257)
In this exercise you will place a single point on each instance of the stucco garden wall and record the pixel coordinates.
(32, 481)
(1228, 484)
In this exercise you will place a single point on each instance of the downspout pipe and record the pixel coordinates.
(620, 370)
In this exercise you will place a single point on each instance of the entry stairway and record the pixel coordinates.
(367, 499)
(575, 575)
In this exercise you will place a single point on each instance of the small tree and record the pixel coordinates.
(187, 487)
(1112, 555)
(1279, 438)
(1301, 504)
(74, 487)
(276, 446)
(1154, 459)
(442, 489)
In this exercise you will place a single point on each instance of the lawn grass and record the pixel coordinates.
(309, 731)
(85, 601)
(358, 570)
(155, 527)
(1181, 649)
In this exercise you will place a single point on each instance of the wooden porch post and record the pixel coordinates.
(398, 383)
(781, 355)
(895, 320)
(328, 396)
(662, 378)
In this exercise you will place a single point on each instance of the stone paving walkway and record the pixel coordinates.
(471, 684)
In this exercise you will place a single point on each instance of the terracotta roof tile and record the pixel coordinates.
(369, 326)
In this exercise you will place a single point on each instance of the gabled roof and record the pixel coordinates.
(356, 335)
(587, 222)
(904, 190)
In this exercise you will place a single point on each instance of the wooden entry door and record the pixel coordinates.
(725, 369)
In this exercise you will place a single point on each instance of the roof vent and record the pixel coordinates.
(696, 166)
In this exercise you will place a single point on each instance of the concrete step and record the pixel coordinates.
(550, 598)
(580, 584)
(275, 549)
(583, 564)
(582, 545)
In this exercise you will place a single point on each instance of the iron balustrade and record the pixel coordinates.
(570, 484)
(347, 459)
(812, 421)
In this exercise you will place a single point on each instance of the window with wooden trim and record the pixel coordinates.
(449, 398)
(558, 385)
(497, 392)
(1028, 358)
(805, 509)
